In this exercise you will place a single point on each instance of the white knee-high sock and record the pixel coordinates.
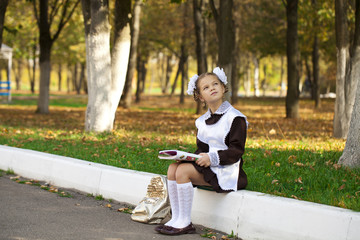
(185, 195)
(174, 202)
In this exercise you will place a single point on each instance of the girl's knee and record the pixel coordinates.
(184, 171)
(171, 173)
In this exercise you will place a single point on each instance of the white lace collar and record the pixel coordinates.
(224, 107)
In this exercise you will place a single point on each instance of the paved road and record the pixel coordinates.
(29, 212)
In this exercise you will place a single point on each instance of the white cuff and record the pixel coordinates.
(214, 159)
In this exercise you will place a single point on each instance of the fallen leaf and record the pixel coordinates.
(293, 196)
(272, 132)
(299, 180)
(275, 181)
(341, 187)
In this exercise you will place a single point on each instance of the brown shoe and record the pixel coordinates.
(161, 227)
(178, 231)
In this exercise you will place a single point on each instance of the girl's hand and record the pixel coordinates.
(204, 161)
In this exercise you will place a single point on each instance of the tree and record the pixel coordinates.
(3, 6)
(348, 69)
(106, 75)
(200, 32)
(135, 30)
(45, 21)
(351, 153)
(226, 36)
(292, 50)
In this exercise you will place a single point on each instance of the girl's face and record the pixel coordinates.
(211, 89)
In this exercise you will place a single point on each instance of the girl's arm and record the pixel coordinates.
(236, 141)
(202, 147)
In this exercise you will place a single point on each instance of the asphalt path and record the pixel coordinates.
(28, 212)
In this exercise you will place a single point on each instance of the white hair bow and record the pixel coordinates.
(217, 71)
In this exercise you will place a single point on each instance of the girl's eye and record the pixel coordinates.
(205, 88)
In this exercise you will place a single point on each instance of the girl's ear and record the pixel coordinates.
(201, 98)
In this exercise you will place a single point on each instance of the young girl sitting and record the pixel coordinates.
(220, 140)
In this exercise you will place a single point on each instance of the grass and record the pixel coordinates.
(289, 158)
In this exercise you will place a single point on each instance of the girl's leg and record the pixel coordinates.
(186, 174)
(173, 193)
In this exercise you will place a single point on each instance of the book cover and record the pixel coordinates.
(177, 155)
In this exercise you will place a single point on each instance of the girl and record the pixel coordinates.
(220, 140)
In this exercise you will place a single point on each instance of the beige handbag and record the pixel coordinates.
(155, 206)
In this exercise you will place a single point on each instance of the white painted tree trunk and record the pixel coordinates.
(106, 72)
(341, 121)
(120, 59)
(351, 153)
(348, 70)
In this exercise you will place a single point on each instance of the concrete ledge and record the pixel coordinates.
(250, 215)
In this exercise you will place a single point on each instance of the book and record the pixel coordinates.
(178, 155)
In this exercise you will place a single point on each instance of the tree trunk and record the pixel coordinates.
(351, 154)
(45, 54)
(184, 51)
(18, 70)
(75, 78)
(168, 72)
(316, 80)
(282, 83)
(235, 79)
(201, 46)
(3, 6)
(347, 72)
(139, 76)
(226, 35)
(292, 96)
(99, 81)
(263, 82)
(81, 78)
(68, 77)
(309, 78)
(256, 76)
(135, 32)
(247, 81)
(46, 41)
(315, 60)
(59, 76)
(32, 70)
(104, 86)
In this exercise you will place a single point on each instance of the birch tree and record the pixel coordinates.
(348, 67)
(106, 71)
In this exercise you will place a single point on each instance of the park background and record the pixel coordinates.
(290, 154)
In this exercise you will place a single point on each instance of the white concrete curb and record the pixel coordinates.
(250, 215)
